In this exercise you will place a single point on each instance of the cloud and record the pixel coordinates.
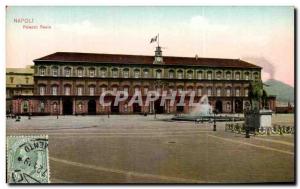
(268, 66)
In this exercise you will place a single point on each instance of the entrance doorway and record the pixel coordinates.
(114, 109)
(136, 108)
(158, 108)
(219, 106)
(67, 107)
(92, 107)
(238, 106)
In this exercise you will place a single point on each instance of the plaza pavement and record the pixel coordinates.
(139, 149)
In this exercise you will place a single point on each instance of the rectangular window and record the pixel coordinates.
(67, 90)
(227, 92)
(145, 90)
(54, 72)
(42, 71)
(115, 73)
(199, 75)
(79, 72)
(54, 90)
(180, 75)
(79, 91)
(42, 90)
(209, 76)
(218, 92)
(199, 91)
(92, 91)
(158, 75)
(103, 73)
(237, 92)
(246, 92)
(67, 72)
(146, 73)
(126, 74)
(92, 73)
(208, 91)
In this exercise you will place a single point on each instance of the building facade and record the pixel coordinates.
(19, 82)
(71, 83)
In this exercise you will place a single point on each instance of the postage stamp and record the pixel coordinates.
(27, 159)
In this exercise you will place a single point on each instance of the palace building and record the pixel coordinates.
(19, 82)
(69, 83)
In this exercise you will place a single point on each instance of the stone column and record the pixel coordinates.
(74, 105)
(60, 106)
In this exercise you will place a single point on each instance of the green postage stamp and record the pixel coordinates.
(27, 159)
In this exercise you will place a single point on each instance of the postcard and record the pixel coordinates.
(150, 95)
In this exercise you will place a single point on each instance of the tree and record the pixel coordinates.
(257, 95)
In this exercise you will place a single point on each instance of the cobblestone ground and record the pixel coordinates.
(139, 149)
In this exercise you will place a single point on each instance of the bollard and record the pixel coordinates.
(247, 132)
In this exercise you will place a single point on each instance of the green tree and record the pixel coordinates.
(257, 95)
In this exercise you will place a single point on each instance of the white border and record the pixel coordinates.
(3, 3)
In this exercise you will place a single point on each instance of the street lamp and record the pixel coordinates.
(215, 126)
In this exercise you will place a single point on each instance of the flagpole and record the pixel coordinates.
(158, 39)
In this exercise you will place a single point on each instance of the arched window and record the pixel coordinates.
(92, 72)
(199, 75)
(67, 71)
(80, 72)
(42, 71)
(54, 71)
(237, 75)
(54, 89)
(237, 92)
(171, 74)
(42, 106)
(228, 106)
(92, 90)
(228, 91)
(209, 91)
(199, 91)
(126, 89)
(80, 90)
(255, 75)
(180, 74)
(136, 73)
(158, 74)
(179, 89)
(190, 74)
(219, 75)
(115, 72)
(67, 89)
(218, 91)
(246, 91)
(42, 89)
(103, 72)
(247, 76)
(125, 72)
(146, 73)
(146, 90)
(228, 75)
(103, 88)
(209, 75)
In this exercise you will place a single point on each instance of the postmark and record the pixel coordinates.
(27, 159)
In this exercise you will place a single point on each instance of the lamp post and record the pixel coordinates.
(18, 110)
(215, 126)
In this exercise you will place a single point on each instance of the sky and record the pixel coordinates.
(261, 35)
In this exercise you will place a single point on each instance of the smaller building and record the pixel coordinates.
(19, 82)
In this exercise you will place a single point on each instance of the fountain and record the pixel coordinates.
(203, 108)
(203, 111)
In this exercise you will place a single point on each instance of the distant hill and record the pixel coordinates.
(284, 93)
